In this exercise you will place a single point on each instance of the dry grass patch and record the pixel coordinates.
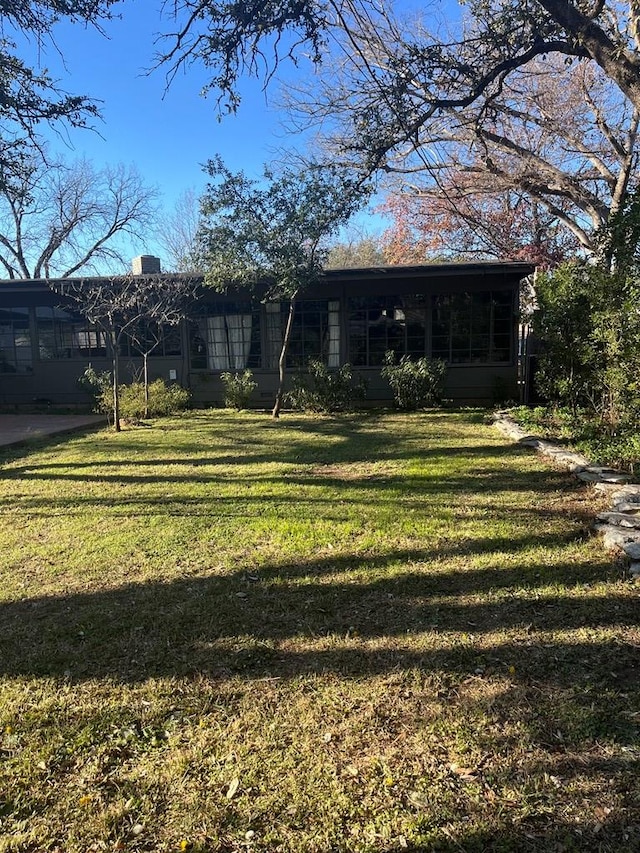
(379, 633)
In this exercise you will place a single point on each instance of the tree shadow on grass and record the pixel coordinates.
(193, 624)
(535, 836)
(563, 668)
(560, 662)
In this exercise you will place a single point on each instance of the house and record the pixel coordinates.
(466, 314)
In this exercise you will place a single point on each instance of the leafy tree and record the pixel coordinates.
(455, 224)
(274, 234)
(58, 219)
(589, 324)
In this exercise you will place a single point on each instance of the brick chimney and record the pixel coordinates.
(145, 265)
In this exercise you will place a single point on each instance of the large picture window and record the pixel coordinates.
(15, 341)
(63, 334)
(315, 332)
(381, 323)
(155, 339)
(473, 328)
(226, 337)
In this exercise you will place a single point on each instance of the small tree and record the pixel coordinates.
(161, 302)
(119, 305)
(274, 234)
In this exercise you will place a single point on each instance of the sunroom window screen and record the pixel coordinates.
(15, 341)
(315, 332)
(472, 328)
(378, 324)
(64, 334)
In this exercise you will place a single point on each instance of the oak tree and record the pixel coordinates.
(453, 71)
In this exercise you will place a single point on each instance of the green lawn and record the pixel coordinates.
(378, 633)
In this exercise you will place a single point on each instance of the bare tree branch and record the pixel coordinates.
(58, 219)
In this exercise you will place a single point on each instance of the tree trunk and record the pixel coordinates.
(115, 362)
(145, 362)
(619, 65)
(283, 357)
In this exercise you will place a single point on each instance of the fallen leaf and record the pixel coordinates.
(233, 788)
(601, 813)
(462, 772)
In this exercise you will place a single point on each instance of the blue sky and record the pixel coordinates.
(167, 133)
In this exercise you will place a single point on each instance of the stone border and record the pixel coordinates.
(620, 525)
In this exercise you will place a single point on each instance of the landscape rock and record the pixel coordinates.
(626, 507)
(630, 493)
(620, 526)
(620, 519)
(632, 550)
(614, 537)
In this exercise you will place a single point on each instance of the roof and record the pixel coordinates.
(512, 268)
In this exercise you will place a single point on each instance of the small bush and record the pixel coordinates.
(163, 400)
(326, 389)
(99, 387)
(238, 388)
(415, 384)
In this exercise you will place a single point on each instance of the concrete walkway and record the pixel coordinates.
(15, 429)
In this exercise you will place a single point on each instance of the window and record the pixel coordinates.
(381, 323)
(63, 334)
(472, 328)
(226, 337)
(154, 339)
(15, 341)
(315, 332)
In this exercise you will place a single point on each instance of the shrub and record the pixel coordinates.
(589, 326)
(163, 400)
(415, 384)
(238, 388)
(583, 432)
(326, 389)
(99, 387)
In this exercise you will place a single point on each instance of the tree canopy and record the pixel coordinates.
(275, 231)
(540, 97)
(274, 235)
(501, 36)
